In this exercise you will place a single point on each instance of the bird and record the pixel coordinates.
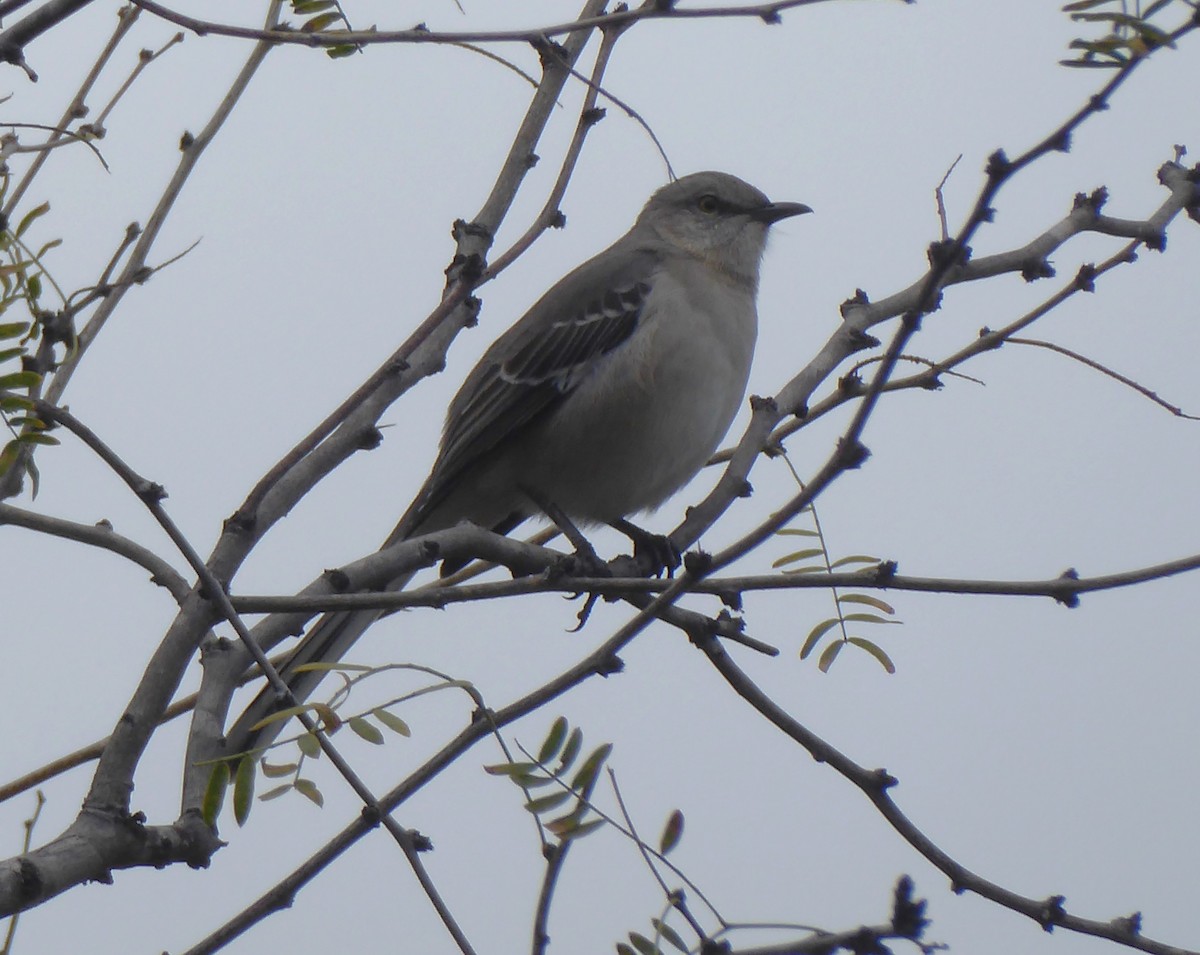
(602, 401)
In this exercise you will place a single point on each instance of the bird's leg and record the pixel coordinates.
(588, 563)
(655, 553)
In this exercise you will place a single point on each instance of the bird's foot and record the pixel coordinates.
(655, 554)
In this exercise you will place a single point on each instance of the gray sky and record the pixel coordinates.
(1049, 750)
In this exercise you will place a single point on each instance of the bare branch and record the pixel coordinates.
(103, 536)
(876, 784)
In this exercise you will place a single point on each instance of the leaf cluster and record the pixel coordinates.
(21, 274)
(555, 767)
(817, 560)
(1130, 35)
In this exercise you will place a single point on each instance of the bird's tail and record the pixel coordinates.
(330, 638)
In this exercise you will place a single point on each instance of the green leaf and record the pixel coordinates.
(309, 746)
(303, 8)
(815, 635)
(275, 793)
(243, 788)
(585, 779)
(15, 403)
(876, 651)
(341, 50)
(829, 655)
(20, 379)
(510, 769)
(39, 439)
(13, 329)
(8, 455)
(1084, 5)
(529, 781)
(277, 770)
(546, 803)
(307, 788)
(33, 286)
(870, 618)
(867, 599)
(623, 949)
(571, 750)
(798, 532)
(35, 478)
(644, 945)
(576, 830)
(554, 740)
(671, 833)
(796, 556)
(9, 353)
(855, 559)
(327, 667)
(320, 22)
(670, 935)
(368, 731)
(214, 793)
(391, 721)
(31, 216)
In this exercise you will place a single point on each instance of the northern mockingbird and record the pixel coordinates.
(606, 398)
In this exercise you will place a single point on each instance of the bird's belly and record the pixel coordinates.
(637, 438)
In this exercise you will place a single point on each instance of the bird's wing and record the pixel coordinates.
(533, 366)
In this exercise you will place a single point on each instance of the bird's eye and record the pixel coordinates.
(708, 204)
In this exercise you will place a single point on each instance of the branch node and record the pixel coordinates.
(369, 439)
(611, 664)
(851, 454)
(759, 403)
(1085, 278)
(860, 340)
(998, 165)
(908, 913)
(858, 300)
(851, 385)
(885, 571)
(371, 815)
(150, 491)
(882, 780)
(1094, 200)
(697, 562)
(1036, 269)
(1052, 912)
(1130, 925)
(337, 579)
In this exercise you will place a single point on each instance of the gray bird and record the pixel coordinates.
(606, 398)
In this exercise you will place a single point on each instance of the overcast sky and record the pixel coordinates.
(1050, 750)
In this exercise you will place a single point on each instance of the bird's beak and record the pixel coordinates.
(775, 211)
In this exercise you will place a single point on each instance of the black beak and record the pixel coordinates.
(775, 211)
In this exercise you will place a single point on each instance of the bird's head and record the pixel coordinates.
(717, 218)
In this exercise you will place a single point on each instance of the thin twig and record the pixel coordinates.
(766, 12)
(126, 17)
(145, 58)
(1104, 370)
